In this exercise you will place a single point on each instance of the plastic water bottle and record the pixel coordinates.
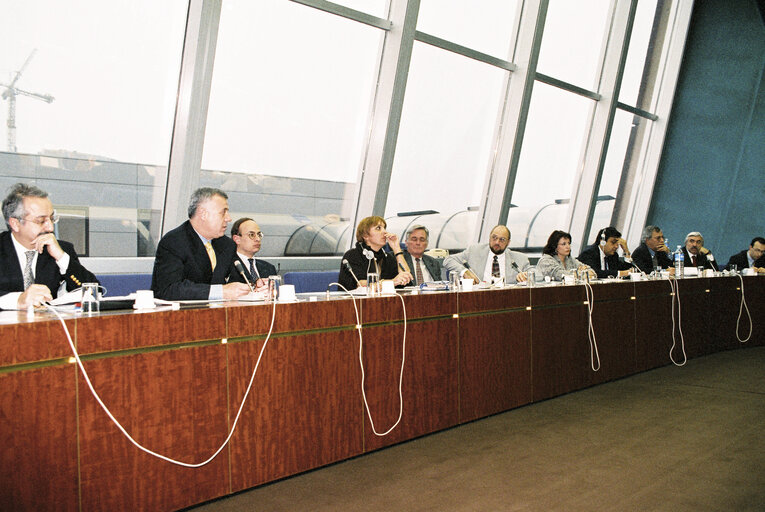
(679, 262)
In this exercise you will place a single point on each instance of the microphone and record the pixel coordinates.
(348, 266)
(240, 269)
(515, 266)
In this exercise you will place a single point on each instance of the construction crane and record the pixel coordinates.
(10, 93)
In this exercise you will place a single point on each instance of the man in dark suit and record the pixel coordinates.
(424, 268)
(753, 258)
(34, 262)
(695, 254)
(195, 260)
(653, 252)
(248, 238)
(602, 257)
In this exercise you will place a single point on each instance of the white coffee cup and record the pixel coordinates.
(144, 299)
(388, 288)
(467, 284)
(287, 293)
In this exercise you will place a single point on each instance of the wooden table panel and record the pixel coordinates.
(495, 363)
(304, 409)
(559, 345)
(653, 325)
(695, 318)
(38, 433)
(613, 318)
(493, 299)
(127, 330)
(174, 403)
(250, 319)
(724, 299)
(38, 339)
(754, 293)
(429, 384)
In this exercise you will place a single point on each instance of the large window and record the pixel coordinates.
(93, 85)
(445, 139)
(289, 115)
(552, 151)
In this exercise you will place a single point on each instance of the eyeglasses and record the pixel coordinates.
(252, 235)
(42, 219)
(495, 238)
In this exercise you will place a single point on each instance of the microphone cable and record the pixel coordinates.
(594, 355)
(361, 364)
(125, 432)
(674, 285)
(740, 310)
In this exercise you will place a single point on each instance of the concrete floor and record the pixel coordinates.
(686, 438)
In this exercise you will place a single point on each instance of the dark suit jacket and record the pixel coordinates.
(701, 260)
(741, 261)
(642, 258)
(433, 265)
(264, 268)
(182, 269)
(591, 256)
(46, 271)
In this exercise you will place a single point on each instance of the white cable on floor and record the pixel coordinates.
(361, 363)
(122, 429)
(740, 310)
(590, 329)
(673, 284)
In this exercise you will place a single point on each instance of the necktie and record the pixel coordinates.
(253, 272)
(655, 261)
(29, 279)
(693, 260)
(495, 267)
(418, 271)
(211, 254)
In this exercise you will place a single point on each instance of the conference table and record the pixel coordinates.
(175, 379)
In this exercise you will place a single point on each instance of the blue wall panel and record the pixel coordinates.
(712, 173)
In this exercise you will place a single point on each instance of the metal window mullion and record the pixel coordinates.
(640, 199)
(191, 109)
(377, 165)
(500, 178)
(463, 50)
(347, 12)
(586, 185)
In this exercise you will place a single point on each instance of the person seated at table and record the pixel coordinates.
(367, 256)
(36, 264)
(602, 257)
(248, 237)
(753, 258)
(195, 261)
(490, 261)
(652, 252)
(556, 259)
(696, 255)
(424, 268)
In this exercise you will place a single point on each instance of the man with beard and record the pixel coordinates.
(35, 263)
(491, 261)
(248, 238)
(195, 261)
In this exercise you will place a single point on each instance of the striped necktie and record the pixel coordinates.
(495, 267)
(211, 254)
(418, 271)
(29, 278)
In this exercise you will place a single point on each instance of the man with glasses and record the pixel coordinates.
(195, 261)
(652, 253)
(753, 258)
(248, 237)
(490, 262)
(36, 266)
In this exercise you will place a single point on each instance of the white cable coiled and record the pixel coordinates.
(594, 355)
(673, 284)
(740, 310)
(361, 364)
(122, 429)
